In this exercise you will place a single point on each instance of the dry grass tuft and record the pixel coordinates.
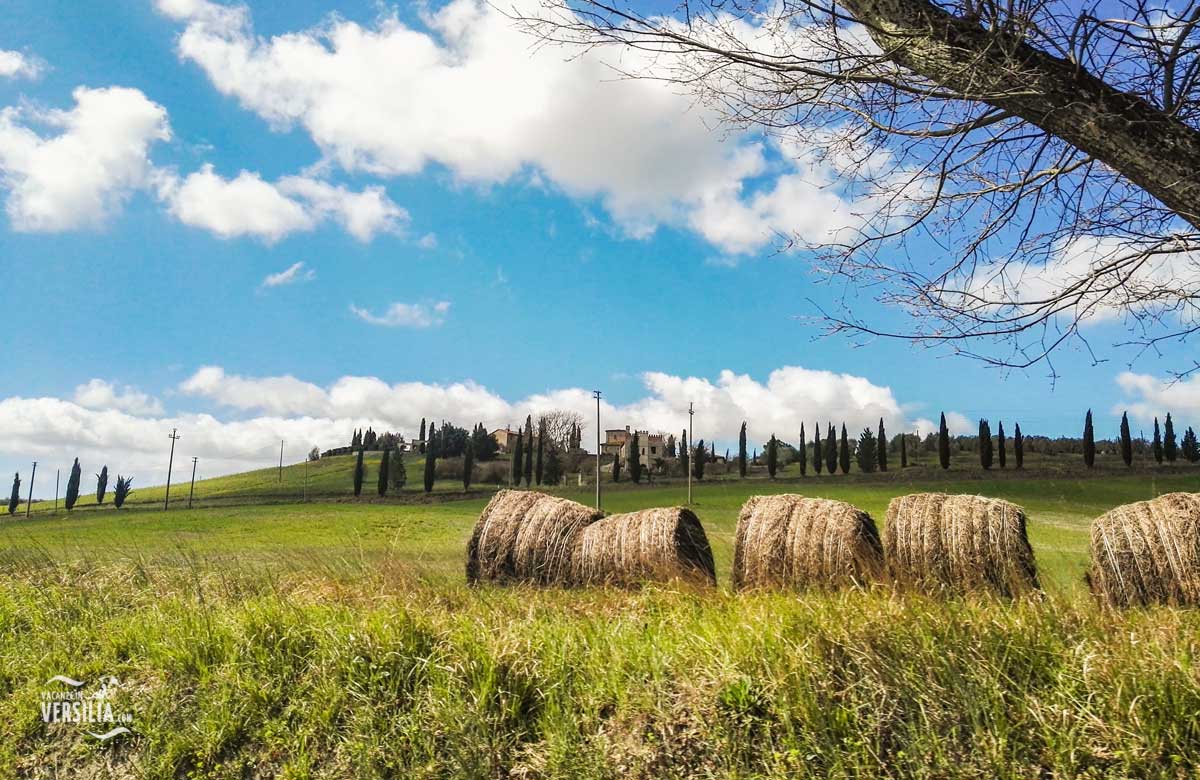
(660, 544)
(1148, 552)
(938, 542)
(792, 541)
(525, 536)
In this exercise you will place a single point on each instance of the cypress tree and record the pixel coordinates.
(616, 467)
(802, 452)
(1156, 444)
(1126, 441)
(634, 461)
(421, 445)
(903, 451)
(867, 453)
(831, 450)
(529, 451)
(943, 443)
(1001, 449)
(1190, 446)
(382, 484)
(1170, 447)
(742, 451)
(358, 473)
(431, 454)
(122, 490)
(698, 458)
(14, 498)
(538, 468)
(772, 455)
(469, 464)
(818, 452)
(1018, 446)
(1089, 441)
(712, 449)
(397, 472)
(844, 452)
(73, 486)
(553, 473)
(684, 454)
(518, 459)
(101, 486)
(985, 444)
(881, 443)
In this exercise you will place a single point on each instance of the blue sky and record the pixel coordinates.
(525, 241)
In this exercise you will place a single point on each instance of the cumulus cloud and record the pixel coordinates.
(406, 315)
(88, 163)
(99, 394)
(293, 274)
(1149, 396)
(15, 65)
(469, 93)
(247, 205)
(105, 424)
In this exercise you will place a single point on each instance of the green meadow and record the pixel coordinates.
(337, 638)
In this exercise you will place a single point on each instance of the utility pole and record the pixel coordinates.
(192, 489)
(170, 464)
(57, 474)
(304, 494)
(281, 460)
(596, 395)
(29, 502)
(691, 455)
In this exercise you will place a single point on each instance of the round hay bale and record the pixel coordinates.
(651, 545)
(796, 542)
(938, 542)
(1148, 553)
(525, 536)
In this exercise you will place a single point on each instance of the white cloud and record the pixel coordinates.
(104, 425)
(247, 205)
(428, 241)
(294, 273)
(85, 173)
(470, 92)
(99, 394)
(14, 65)
(1150, 397)
(406, 315)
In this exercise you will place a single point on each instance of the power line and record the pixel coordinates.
(29, 502)
(170, 464)
(192, 489)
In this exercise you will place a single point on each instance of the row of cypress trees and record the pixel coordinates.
(121, 491)
(1163, 446)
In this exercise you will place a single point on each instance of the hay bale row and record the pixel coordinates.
(792, 541)
(1148, 553)
(937, 542)
(652, 545)
(530, 537)
(524, 536)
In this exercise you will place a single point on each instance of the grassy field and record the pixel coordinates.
(337, 639)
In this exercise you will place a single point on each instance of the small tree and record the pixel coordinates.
(699, 456)
(73, 486)
(684, 454)
(397, 472)
(529, 451)
(553, 472)
(772, 455)
(742, 451)
(382, 483)
(818, 451)
(517, 459)
(1001, 448)
(1190, 446)
(943, 443)
(1089, 441)
(1126, 441)
(122, 490)
(359, 473)
(616, 467)
(903, 451)
(14, 498)
(1156, 444)
(314, 454)
(431, 453)
(541, 448)
(867, 453)
(844, 452)
(1170, 446)
(1018, 446)
(469, 464)
(831, 450)
(634, 462)
(802, 452)
(881, 440)
(421, 441)
(985, 444)
(101, 486)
